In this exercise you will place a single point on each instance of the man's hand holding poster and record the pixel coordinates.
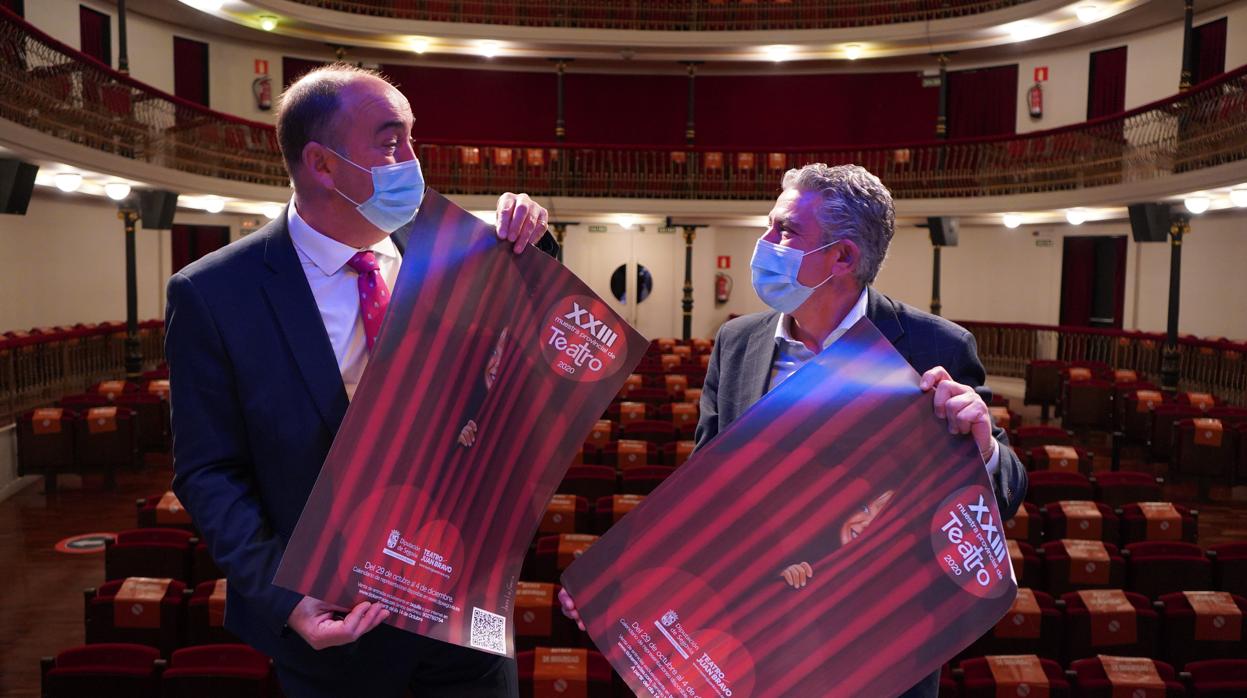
(834, 540)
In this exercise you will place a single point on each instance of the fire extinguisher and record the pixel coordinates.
(1034, 100)
(722, 288)
(262, 88)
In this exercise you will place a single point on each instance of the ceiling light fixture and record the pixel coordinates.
(852, 51)
(1025, 30)
(268, 23)
(213, 204)
(778, 54)
(626, 221)
(205, 5)
(271, 211)
(488, 49)
(1012, 220)
(418, 45)
(1076, 216)
(1196, 204)
(1088, 12)
(67, 181)
(1238, 197)
(117, 190)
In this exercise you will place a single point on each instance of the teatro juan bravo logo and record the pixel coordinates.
(583, 339)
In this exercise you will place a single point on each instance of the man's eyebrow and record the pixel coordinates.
(393, 123)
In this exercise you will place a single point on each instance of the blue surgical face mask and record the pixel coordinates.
(775, 270)
(397, 190)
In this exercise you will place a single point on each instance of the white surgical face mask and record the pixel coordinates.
(775, 269)
(397, 190)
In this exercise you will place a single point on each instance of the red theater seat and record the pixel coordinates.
(553, 671)
(1200, 625)
(1109, 621)
(675, 454)
(565, 513)
(1027, 565)
(1062, 459)
(163, 510)
(653, 431)
(553, 554)
(1158, 521)
(1084, 520)
(1229, 567)
(45, 442)
(589, 481)
(149, 552)
(203, 567)
(113, 670)
(1043, 382)
(1092, 679)
(539, 619)
(978, 681)
(1028, 628)
(1073, 565)
(105, 439)
(205, 615)
(644, 480)
(1027, 525)
(1024, 439)
(608, 510)
(1218, 678)
(1088, 404)
(210, 671)
(1161, 433)
(626, 454)
(1047, 486)
(1159, 568)
(1124, 486)
(143, 611)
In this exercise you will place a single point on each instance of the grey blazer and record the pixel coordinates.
(744, 350)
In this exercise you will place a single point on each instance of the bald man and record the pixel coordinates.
(266, 342)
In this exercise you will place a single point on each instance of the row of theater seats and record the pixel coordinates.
(123, 670)
(1179, 628)
(1103, 676)
(112, 425)
(1198, 435)
(1134, 522)
(1151, 568)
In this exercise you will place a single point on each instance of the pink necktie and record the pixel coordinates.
(374, 297)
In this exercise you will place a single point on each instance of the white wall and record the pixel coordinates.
(231, 63)
(994, 274)
(1153, 68)
(64, 262)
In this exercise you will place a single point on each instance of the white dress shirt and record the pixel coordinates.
(792, 355)
(335, 288)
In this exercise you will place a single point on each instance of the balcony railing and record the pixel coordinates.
(39, 366)
(1205, 365)
(52, 88)
(670, 15)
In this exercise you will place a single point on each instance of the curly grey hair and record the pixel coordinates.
(855, 206)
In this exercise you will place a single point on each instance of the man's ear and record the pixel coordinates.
(846, 257)
(318, 164)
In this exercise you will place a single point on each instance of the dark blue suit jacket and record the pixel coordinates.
(257, 398)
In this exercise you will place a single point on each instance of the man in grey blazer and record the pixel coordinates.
(827, 237)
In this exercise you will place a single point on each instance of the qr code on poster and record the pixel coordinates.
(489, 631)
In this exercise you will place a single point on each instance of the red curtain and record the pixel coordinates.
(1106, 85)
(1119, 280)
(795, 111)
(982, 102)
(492, 105)
(627, 109)
(1077, 281)
(190, 70)
(293, 68)
(17, 7)
(190, 242)
(95, 34)
(1209, 49)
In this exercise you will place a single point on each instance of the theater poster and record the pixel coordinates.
(489, 372)
(834, 540)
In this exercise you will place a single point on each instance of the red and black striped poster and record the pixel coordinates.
(489, 372)
(834, 540)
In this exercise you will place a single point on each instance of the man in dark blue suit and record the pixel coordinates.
(266, 341)
(826, 239)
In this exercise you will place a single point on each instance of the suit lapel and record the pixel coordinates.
(881, 311)
(759, 358)
(299, 318)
